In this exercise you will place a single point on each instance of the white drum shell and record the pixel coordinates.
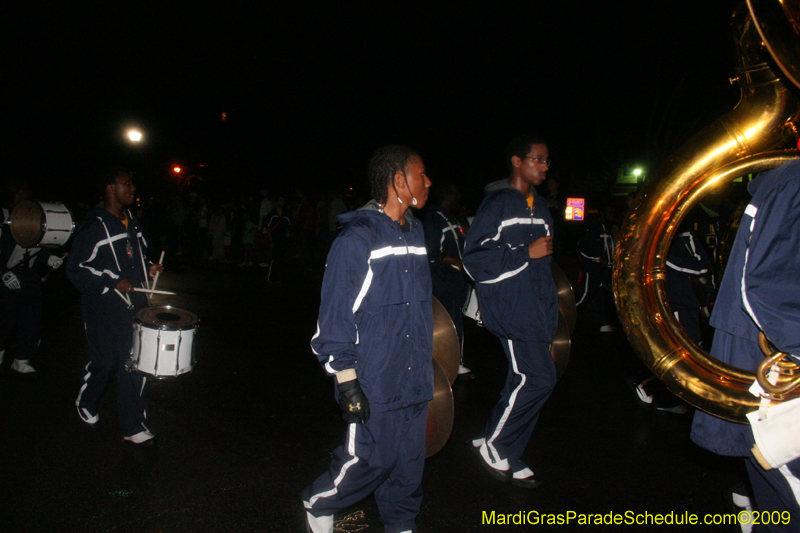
(161, 351)
(58, 224)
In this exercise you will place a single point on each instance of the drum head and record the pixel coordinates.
(27, 223)
(166, 317)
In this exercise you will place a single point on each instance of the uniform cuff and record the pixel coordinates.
(348, 374)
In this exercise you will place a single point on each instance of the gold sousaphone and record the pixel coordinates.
(751, 138)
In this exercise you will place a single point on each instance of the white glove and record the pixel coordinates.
(54, 261)
(778, 435)
(10, 281)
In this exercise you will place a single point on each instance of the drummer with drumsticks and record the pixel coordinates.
(107, 264)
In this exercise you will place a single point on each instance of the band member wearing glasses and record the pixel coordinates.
(760, 292)
(108, 261)
(375, 336)
(508, 254)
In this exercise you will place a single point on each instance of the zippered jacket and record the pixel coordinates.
(760, 290)
(101, 256)
(375, 313)
(517, 294)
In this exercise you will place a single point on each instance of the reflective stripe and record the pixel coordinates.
(585, 290)
(686, 270)
(513, 222)
(379, 254)
(750, 210)
(85, 381)
(511, 400)
(506, 275)
(104, 242)
(351, 450)
(451, 229)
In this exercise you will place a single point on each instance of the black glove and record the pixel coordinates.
(353, 402)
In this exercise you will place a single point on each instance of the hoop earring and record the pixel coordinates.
(413, 200)
(399, 200)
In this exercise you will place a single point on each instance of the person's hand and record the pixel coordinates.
(541, 247)
(353, 402)
(11, 281)
(125, 286)
(155, 269)
(455, 261)
(54, 261)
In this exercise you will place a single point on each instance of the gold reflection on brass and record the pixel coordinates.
(751, 138)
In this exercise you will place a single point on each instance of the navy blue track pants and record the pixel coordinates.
(530, 380)
(109, 331)
(386, 457)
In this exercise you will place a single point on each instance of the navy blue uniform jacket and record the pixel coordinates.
(760, 290)
(517, 294)
(376, 314)
(95, 270)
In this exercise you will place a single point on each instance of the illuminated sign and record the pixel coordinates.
(576, 209)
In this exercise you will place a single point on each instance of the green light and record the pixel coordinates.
(637, 172)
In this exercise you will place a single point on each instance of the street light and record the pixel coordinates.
(134, 135)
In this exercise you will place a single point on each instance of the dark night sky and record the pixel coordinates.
(310, 91)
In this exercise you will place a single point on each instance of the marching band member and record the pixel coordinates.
(108, 260)
(375, 335)
(596, 249)
(444, 239)
(508, 253)
(21, 290)
(760, 292)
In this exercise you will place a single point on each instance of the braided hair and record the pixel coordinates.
(383, 165)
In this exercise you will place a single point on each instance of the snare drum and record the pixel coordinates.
(41, 224)
(163, 341)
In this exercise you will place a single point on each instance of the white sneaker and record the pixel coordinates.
(642, 395)
(319, 524)
(87, 417)
(608, 328)
(141, 437)
(22, 366)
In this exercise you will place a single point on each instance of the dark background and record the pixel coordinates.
(309, 90)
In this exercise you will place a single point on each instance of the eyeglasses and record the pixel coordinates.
(540, 160)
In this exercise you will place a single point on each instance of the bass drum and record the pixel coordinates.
(44, 224)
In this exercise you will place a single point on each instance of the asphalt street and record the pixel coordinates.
(255, 422)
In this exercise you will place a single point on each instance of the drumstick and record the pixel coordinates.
(153, 291)
(160, 262)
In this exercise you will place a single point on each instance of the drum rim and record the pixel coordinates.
(165, 327)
